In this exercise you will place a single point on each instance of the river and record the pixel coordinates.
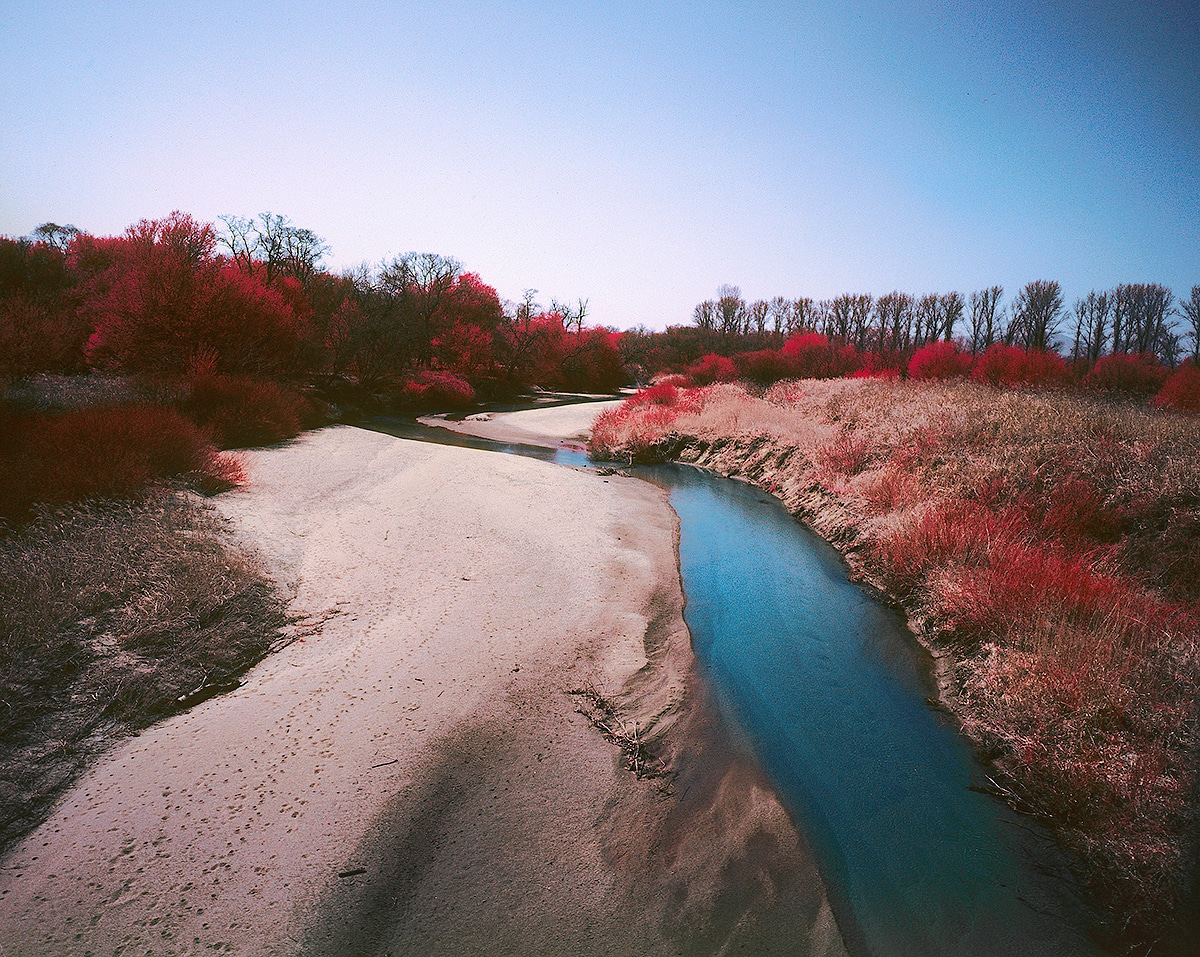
(831, 693)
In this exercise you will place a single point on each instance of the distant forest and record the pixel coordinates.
(180, 299)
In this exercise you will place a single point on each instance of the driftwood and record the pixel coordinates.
(602, 712)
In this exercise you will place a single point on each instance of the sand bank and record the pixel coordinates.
(560, 425)
(414, 779)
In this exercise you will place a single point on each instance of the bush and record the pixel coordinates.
(938, 360)
(241, 411)
(115, 452)
(1005, 365)
(1181, 391)
(1130, 373)
(664, 393)
(429, 390)
(875, 365)
(167, 297)
(811, 355)
(765, 366)
(712, 368)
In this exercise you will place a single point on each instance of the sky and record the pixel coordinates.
(633, 154)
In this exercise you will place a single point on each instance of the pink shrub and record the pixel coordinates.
(712, 368)
(1131, 373)
(1005, 365)
(1181, 391)
(431, 389)
(938, 360)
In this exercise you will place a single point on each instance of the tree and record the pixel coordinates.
(893, 322)
(805, 316)
(165, 298)
(1092, 314)
(731, 310)
(1140, 317)
(779, 310)
(1037, 315)
(756, 316)
(417, 284)
(704, 316)
(847, 317)
(927, 320)
(572, 317)
(985, 321)
(1190, 308)
(60, 237)
(272, 240)
(952, 312)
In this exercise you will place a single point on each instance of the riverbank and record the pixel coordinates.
(414, 777)
(1040, 546)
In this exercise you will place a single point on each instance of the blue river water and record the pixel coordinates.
(831, 691)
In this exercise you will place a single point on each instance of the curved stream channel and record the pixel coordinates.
(830, 691)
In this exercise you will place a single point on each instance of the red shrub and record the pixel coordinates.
(712, 368)
(1131, 373)
(943, 533)
(1075, 511)
(1005, 365)
(847, 454)
(812, 356)
(938, 360)
(765, 366)
(665, 393)
(166, 297)
(429, 389)
(873, 365)
(591, 362)
(1020, 585)
(113, 452)
(240, 411)
(1181, 390)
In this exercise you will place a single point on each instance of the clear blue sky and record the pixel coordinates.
(634, 153)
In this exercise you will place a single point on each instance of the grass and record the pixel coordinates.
(110, 614)
(1046, 543)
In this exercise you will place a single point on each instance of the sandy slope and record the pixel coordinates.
(415, 779)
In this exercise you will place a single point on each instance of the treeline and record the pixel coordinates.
(227, 337)
(175, 297)
(1131, 318)
(1134, 340)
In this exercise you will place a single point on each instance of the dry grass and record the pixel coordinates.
(110, 614)
(1051, 543)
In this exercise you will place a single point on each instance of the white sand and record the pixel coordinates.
(426, 737)
(567, 425)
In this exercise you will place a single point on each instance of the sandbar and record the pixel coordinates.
(414, 776)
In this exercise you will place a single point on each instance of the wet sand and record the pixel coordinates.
(414, 778)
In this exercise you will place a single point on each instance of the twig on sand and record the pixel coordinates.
(603, 715)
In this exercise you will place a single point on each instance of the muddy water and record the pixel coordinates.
(830, 692)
